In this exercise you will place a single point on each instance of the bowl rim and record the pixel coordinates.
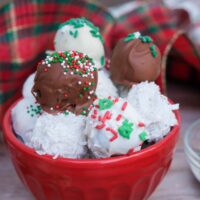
(11, 138)
(187, 136)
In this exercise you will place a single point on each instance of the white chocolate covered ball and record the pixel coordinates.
(114, 127)
(81, 35)
(27, 87)
(24, 116)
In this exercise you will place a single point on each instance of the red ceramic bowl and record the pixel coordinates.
(131, 177)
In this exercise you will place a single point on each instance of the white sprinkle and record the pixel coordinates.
(79, 82)
(72, 73)
(91, 92)
(65, 73)
(89, 97)
(137, 34)
(48, 65)
(51, 108)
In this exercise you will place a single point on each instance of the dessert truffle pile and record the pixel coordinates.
(73, 107)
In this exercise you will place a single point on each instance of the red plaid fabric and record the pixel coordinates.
(27, 29)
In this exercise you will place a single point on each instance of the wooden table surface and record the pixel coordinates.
(179, 183)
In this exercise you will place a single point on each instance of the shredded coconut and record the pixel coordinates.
(59, 135)
(154, 107)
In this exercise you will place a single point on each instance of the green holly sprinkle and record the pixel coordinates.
(73, 34)
(105, 104)
(34, 110)
(125, 129)
(102, 60)
(83, 112)
(143, 136)
(153, 50)
(146, 39)
(66, 113)
(77, 23)
(130, 37)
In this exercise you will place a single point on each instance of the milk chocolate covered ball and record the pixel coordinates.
(135, 59)
(65, 81)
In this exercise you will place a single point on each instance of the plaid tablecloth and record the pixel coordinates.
(27, 29)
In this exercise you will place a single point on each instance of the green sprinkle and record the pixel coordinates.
(80, 95)
(74, 34)
(84, 108)
(125, 129)
(102, 60)
(153, 50)
(81, 22)
(66, 113)
(143, 136)
(146, 39)
(83, 113)
(105, 104)
(92, 83)
(130, 37)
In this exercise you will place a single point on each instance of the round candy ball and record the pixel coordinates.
(65, 81)
(135, 59)
(114, 128)
(81, 35)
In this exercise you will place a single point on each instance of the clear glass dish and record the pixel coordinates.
(192, 148)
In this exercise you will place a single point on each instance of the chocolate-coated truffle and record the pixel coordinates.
(65, 81)
(135, 58)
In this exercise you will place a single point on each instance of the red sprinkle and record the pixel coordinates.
(57, 106)
(100, 126)
(140, 144)
(141, 124)
(118, 117)
(65, 95)
(115, 135)
(115, 100)
(124, 106)
(131, 150)
(46, 69)
(99, 118)
(95, 112)
(109, 97)
(106, 116)
(93, 116)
